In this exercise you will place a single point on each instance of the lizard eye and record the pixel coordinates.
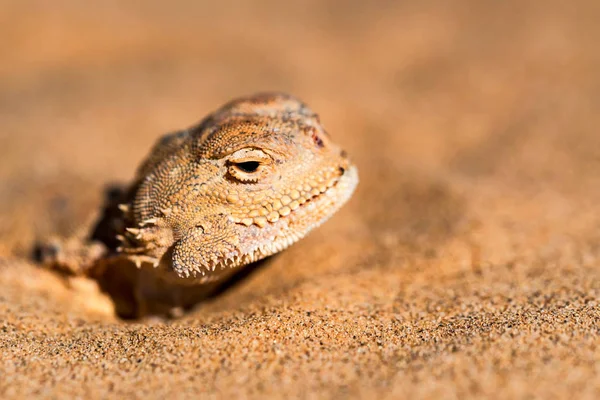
(247, 171)
(248, 165)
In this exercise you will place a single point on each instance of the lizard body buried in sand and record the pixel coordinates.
(246, 182)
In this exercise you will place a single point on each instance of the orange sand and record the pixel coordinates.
(466, 265)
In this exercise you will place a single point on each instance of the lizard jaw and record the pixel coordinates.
(259, 242)
(278, 235)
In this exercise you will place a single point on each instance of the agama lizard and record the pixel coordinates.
(246, 182)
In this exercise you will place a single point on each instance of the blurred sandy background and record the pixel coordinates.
(466, 265)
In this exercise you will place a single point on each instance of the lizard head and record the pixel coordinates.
(251, 179)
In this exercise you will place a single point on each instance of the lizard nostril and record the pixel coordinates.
(315, 137)
(342, 170)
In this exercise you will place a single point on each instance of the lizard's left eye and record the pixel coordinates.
(247, 171)
(248, 166)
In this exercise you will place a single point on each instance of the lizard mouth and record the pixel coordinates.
(279, 233)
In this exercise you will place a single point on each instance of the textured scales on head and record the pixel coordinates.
(249, 180)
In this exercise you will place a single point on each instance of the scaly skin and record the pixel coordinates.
(249, 180)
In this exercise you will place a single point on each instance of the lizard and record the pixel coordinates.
(244, 183)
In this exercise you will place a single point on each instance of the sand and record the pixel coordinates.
(467, 264)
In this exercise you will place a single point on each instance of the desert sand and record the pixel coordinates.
(467, 264)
